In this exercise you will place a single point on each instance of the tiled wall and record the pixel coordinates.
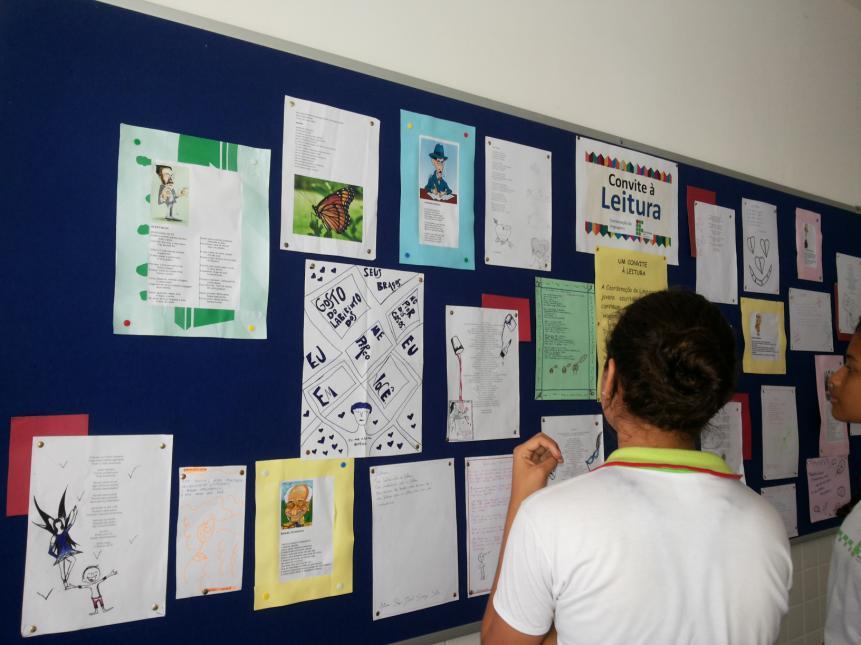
(804, 623)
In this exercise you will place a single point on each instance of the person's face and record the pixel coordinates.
(91, 575)
(846, 385)
(297, 502)
(361, 415)
(438, 165)
(166, 176)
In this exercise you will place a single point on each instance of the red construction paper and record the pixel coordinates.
(744, 399)
(520, 305)
(840, 335)
(21, 433)
(697, 195)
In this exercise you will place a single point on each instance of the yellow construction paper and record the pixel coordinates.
(762, 322)
(621, 277)
(269, 591)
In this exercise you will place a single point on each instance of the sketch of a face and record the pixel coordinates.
(91, 574)
(360, 411)
(165, 173)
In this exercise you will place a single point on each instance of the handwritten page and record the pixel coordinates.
(210, 530)
(303, 530)
(21, 433)
(760, 257)
(833, 440)
(329, 180)
(808, 245)
(723, 436)
(565, 340)
(779, 432)
(621, 277)
(810, 321)
(782, 498)
(848, 293)
(828, 486)
(488, 488)
(97, 532)
(762, 323)
(362, 361)
(482, 368)
(518, 205)
(717, 275)
(414, 529)
(581, 440)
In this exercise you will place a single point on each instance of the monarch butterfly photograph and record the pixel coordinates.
(327, 209)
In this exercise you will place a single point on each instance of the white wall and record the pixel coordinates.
(771, 88)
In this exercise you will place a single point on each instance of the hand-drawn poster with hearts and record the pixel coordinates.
(362, 361)
(759, 241)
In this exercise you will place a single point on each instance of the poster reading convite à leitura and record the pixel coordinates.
(626, 200)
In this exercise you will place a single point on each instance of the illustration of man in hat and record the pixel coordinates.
(437, 185)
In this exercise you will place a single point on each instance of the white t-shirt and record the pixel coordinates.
(843, 622)
(648, 554)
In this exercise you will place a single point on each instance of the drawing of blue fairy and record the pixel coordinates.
(62, 546)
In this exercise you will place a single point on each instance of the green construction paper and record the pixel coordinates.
(565, 367)
(134, 311)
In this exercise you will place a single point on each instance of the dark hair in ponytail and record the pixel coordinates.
(675, 360)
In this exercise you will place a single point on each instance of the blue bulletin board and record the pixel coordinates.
(71, 73)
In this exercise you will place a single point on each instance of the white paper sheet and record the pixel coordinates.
(581, 440)
(810, 321)
(362, 361)
(782, 498)
(518, 205)
(848, 293)
(761, 260)
(330, 179)
(414, 536)
(102, 559)
(833, 440)
(717, 273)
(307, 521)
(195, 237)
(855, 429)
(779, 432)
(482, 368)
(210, 530)
(723, 436)
(488, 489)
(828, 486)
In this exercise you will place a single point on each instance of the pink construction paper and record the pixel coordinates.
(808, 245)
(827, 486)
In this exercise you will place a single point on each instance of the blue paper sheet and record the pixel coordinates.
(437, 192)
